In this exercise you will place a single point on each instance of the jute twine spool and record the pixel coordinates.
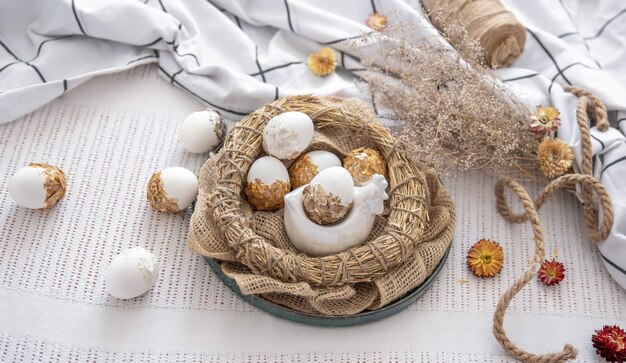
(500, 34)
(589, 107)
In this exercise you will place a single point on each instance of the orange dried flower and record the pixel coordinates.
(555, 157)
(551, 272)
(610, 343)
(376, 21)
(485, 258)
(323, 62)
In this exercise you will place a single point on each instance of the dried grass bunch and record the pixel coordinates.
(451, 109)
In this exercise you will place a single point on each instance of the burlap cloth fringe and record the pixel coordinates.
(428, 235)
(500, 34)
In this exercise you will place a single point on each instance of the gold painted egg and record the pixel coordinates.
(37, 186)
(307, 166)
(363, 163)
(267, 183)
(329, 196)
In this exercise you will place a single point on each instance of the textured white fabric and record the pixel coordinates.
(111, 133)
(236, 55)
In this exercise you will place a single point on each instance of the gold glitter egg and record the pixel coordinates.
(329, 196)
(267, 183)
(363, 163)
(307, 166)
(172, 190)
(37, 186)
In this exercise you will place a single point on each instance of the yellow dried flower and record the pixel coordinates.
(323, 62)
(485, 258)
(376, 21)
(555, 157)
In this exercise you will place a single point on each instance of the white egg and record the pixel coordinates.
(323, 159)
(202, 131)
(267, 183)
(172, 189)
(337, 181)
(307, 166)
(267, 169)
(287, 135)
(37, 186)
(328, 197)
(132, 273)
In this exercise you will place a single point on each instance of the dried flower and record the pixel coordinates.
(323, 62)
(555, 157)
(544, 121)
(446, 106)
(485, 258)
(610, 343)
(551, 272)
(376, 21)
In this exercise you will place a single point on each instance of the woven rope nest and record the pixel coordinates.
(407, 218)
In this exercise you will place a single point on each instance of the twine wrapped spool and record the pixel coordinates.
(500, 34)
(404, 247)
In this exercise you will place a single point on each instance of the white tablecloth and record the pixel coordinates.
(235, 55)
(111, 133)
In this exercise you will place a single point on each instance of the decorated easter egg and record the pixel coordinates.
(202, 131)
(37, 186)
(132, 273)
(287, 135)
(307, 166)
(171, 190)
(363, 163)
(267, 183)
(328, 197)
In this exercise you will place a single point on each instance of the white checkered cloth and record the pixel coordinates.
(236, 55)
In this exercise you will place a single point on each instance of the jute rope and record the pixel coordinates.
(589, 107)
(497, 30)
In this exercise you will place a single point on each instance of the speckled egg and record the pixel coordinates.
(267, 183)
(132, 273)
(37, 186)
(307, 166)
(363, 163)
(172, 190)
(287, 135)
(329, 195)
(202, 131)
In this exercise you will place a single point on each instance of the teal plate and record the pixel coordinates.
(329, 321)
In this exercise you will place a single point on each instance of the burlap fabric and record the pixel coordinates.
(341, 296)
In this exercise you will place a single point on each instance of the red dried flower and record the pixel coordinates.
(551, 272)
(544, 121)
(609, 343)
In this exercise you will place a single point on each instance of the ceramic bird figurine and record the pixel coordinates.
(353, 229)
